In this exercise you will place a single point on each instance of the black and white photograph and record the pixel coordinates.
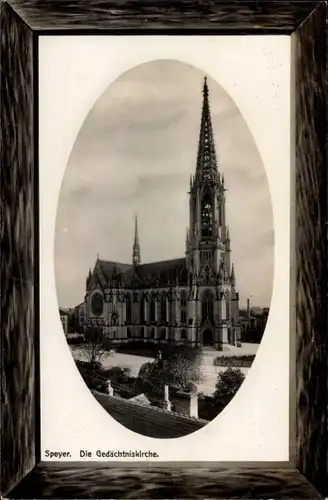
(163, 286)
(164, 249)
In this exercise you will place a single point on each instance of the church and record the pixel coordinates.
(191, 300)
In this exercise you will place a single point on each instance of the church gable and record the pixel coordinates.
(96, 281)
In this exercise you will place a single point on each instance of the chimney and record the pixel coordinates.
(166, 404)
(110, 388)
(248, 310)
(186, 403)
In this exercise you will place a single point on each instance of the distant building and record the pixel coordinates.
(253, 322)
(64, 315)
(79, 318)
(192, 299)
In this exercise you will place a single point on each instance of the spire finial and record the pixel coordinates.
(205, 87)
(206, 158)
(136, 258)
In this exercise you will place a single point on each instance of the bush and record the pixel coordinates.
(227, 385)
(93, 379)
(151, 349)
(117, 374)
(147, 349)
(75, 339)
(243, 361)
(206, 407)
(87, 365)
(138, 348)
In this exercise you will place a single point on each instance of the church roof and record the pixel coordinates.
(63, 311)
(151, 274)
(148, 420)
(166, 270)
(110, 267)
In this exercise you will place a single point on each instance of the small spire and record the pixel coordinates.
(232, 276)
(136, 258)
(136, 237)
(88, 278)
(228, 239)
(187, 239)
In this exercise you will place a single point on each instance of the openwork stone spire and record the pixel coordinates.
(136, 256)
(206, 159)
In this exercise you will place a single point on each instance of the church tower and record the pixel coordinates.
(136, 255)
(208, 241)
(208, 244)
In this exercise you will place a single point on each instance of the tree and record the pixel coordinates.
(183, 368)
(93, 348)
(151, 379)
(227, 385)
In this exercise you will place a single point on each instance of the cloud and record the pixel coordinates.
(134, 154)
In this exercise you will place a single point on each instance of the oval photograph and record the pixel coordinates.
(164, 249)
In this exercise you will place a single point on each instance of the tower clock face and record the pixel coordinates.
(97, 304)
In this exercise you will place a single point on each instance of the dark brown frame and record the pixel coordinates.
(22, 22)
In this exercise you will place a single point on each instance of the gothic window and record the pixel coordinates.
(97, 304)
(142, 308)
(183, 314)
(207, 217)
(115, 318)
(152, 333)
(207, 306)
(129, 334)
(163, 333)
(128, 308)
(152, 308)
(206, 257)
(183, 334)
(142, 332)
(163, 307)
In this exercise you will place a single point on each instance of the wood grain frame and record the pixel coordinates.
(22, 23)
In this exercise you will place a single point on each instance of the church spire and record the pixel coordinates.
(136, 258)
(206, 158)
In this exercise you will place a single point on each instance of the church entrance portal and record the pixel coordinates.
(208, 338)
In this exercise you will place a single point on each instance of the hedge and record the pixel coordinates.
(240, 361)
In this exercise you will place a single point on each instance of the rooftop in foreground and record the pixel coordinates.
(148, 420)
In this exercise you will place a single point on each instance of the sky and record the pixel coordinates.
(134, 155)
